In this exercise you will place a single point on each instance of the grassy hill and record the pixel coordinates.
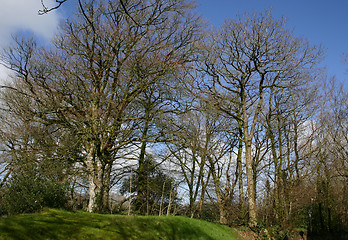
(58, 224)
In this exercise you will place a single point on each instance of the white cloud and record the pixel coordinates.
(5, 75)
(22, 15)
(18, 15)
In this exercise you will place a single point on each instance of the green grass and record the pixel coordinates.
(58, 224)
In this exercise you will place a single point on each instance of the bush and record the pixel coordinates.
(210, 212)
(30, 191)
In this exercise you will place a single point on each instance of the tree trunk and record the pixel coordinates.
(203, 191)
(106, 188)
(170, 201)
(296, 148)
(162, 197)
(222, 211)
(142, 181)
(248, 137)
(251, 183)
(220, 200)
(142, 172)
(192, 208)
(99, 181)
(240, 178)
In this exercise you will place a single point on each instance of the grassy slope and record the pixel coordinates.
(57, 224)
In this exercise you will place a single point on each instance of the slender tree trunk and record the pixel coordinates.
(251, 183)
(278, 183)
(192, 208)
(296, 150)
(142, 172)
(194, 187)
(249, 165)
(147, 196)
(281, 183)
(201, 174)
(220, 200)
(142, 180)
(240, 176)
(203, 191)
(170, 201)
(130, 191)
(201, 201)
(248, 137)
(106, 188)
(162, 197)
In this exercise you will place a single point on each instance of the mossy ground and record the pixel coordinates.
(59, 224)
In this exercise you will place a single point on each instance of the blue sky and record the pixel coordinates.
(322, 22)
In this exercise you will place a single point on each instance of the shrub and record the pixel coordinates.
(30, 191)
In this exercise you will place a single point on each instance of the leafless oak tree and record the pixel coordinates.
(100, 62)
(244, 60)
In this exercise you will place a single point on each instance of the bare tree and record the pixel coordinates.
(184, 152)
(25, 144)
(330, 159)
(244, 60)
(219, 143)
(100, 62)
(154, 104)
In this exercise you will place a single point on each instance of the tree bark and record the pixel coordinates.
(223, 218)
(248, 159)
(240, 172)
(220, 199)
(251, 183)
(98, 180)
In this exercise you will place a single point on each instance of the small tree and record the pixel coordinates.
(159, 189)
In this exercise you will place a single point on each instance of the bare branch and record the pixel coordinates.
(46, 10)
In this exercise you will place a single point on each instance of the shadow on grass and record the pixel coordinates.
(35, 226)
(55, 224)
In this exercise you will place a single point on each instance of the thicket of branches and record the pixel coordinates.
(236, 123)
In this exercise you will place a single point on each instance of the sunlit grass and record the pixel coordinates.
(58, 224)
